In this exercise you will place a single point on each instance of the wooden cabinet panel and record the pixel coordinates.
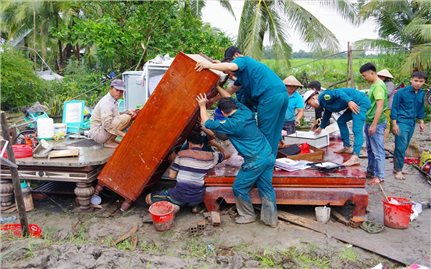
(169, 111)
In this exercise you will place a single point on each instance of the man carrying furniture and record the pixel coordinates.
(258, 85)
(106, 122)
(240, 126)
(355, 104)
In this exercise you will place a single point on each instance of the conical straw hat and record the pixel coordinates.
(292, 81)
(384, 73)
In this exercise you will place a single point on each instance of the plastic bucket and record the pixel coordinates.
(323, 214)
(45, 128)
(397, 216)
(162, 214)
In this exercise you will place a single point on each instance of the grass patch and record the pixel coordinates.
(293, 258)
(267, 258)
(124, 245)
(80, 236)
(196, 248)
(349, 254)
(151, 248)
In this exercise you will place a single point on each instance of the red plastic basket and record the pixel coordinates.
(21, 151)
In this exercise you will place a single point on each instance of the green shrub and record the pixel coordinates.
(79, 83)
(20, 86)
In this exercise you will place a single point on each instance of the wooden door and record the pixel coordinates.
(160, 124)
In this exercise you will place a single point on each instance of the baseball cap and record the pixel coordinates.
(306, 96)
(118, 84)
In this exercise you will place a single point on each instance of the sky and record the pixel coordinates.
(220, 18)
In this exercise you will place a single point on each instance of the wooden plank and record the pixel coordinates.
(353, 240)
(15, 178)
(160, 125)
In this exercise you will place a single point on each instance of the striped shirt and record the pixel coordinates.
(193, 164)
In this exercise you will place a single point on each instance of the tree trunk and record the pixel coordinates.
(60, 60)
(67, 52)
(77, 51)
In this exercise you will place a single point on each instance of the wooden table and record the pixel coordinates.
(82, 170)
(304, 187)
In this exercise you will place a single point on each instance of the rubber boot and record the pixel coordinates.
(245, 211)
(268, 213)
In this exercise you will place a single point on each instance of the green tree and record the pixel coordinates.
(402, 24)
(116, 35)
(273, 17)
(36, 22)
(20, 85)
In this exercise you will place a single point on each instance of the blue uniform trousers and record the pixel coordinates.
(270, 117)
(257, 172)
(402, 141)
(357, 128)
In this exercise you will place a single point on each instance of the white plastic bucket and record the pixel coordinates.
(323, 214)
(45, 128)
(60, 128)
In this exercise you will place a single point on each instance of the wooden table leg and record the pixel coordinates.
(125, 205)
(99, 189)
(6, 193)
(83, 192)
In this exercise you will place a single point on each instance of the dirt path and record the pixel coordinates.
(76, 240)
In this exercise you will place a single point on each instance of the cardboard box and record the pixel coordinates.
(318, 141)
(315, 155)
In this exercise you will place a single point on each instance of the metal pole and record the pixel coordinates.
(351, 82)
(15, 178)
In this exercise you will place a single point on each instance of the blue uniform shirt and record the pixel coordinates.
(242, 131)
(336, 100)
(295, 102)
(407, 106)
(256, 78)
(243, 96)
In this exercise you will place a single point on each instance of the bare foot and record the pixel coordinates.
(399, 175)
(345, 150)
(110, 145)
(375, 180)
(148, 199)
(354, 160)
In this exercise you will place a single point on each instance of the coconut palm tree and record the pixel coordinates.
(196, 6)
(402, 24)
(34, 22)
(272, 18)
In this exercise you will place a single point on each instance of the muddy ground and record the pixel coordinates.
(86, 240)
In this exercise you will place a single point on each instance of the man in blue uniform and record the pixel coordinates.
(262, 86)
(356, 104)
(407, 107)
(240, 126)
